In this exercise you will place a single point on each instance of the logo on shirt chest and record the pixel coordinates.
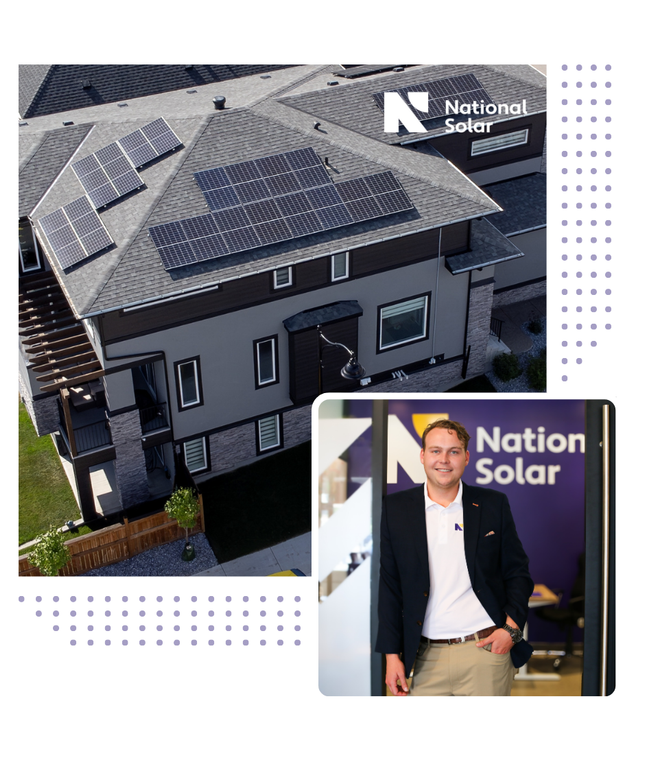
(459, 526)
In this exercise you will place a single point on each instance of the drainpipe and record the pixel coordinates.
(436, 299)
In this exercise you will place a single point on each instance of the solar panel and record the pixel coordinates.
(149, 142)
(107, 175)
(270, 200)
(75, 232)
(465, 88)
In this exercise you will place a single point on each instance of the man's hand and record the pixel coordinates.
(500, 640)
(395, 675)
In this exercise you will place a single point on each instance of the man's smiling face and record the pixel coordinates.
(444, 459)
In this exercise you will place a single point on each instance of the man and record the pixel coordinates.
(454, 585)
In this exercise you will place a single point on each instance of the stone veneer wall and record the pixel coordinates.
(237, 446)
(43, 412)
(479, 311)
(130, 463)
(516, 295)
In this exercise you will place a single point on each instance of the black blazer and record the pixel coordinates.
(496, 561)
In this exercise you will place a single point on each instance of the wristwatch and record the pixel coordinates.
(515, 633)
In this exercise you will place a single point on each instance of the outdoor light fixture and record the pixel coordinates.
(351, 371)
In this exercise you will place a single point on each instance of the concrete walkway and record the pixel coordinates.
(292, 554)
(514, 316)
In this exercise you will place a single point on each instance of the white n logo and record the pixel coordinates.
(396, 111)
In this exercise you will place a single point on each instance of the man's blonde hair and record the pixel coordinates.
(453, 425)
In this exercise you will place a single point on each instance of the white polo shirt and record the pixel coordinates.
(453, 607)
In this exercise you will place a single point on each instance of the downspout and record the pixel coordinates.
(436, 300)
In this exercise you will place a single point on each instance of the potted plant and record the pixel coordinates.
(50, 554)
(183, 506)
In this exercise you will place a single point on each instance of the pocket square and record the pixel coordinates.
(492, 533)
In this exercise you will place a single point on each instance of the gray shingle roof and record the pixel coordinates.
(351, 104)
(48, 155)
(132, 272)
(523, 201)
(488, 246)
(54, 89)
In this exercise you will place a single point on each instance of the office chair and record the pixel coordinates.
(571, 616)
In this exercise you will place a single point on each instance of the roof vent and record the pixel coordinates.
(86, 84)
(332, 83)
(316, 125)
(67, 123)
(219, 101)
(398, 68)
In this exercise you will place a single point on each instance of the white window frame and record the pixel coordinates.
(276, 440)
(183, 404)
(499, 142)
(399, 308)
(279, 273)
(337, 257)
(274, 374)
(204, 454)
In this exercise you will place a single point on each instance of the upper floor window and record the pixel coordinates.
(499, 142)
(266, 361)
(283, 277)
(403, 322)
(27, 247)
(340, 266)
(189, 392)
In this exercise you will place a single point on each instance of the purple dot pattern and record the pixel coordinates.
(164, 621)
(585, 246)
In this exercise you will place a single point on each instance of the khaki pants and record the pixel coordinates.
(461, 670)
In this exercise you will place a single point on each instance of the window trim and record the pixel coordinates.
(380, 348)
(279, 432)
(498, 137)
(181, 406)
(345, 276)
(288, 284)
(259, 383)
(39, 259)
(205, 450)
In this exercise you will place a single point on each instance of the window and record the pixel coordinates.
(403, 322)
(196, 455)
(269, 433)
(340, 266)
(266, 361)
(188, 383)
(282, 277)
(499, 142)
(27, 247)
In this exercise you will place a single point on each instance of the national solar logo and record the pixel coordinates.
(459, 526)
(417, 106)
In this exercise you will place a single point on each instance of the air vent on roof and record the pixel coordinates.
(219, 101)
(86, 84)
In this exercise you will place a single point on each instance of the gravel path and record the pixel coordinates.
(520, 384)
(164, 560)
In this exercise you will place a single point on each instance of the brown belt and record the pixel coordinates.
(461, 639)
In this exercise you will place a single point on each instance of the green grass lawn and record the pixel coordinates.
(45, 496)
(260, 505)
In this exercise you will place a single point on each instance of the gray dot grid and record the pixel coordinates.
(266, 620)
(583, 147)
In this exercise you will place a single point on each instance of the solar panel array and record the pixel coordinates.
(465, 88)
(110, 173)
(75, 232)
(149, 142)
(270, 200)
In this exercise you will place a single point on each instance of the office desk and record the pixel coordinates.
(542, 596)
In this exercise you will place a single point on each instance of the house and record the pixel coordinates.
(188, 256)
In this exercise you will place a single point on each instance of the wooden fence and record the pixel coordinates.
(118, 542)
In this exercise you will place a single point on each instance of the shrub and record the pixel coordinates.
(50, 554)
(536, 372)
(183, 506)
(506, 367)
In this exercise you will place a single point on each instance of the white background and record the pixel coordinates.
(215, 700)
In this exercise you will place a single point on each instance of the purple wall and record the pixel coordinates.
(549, 516)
